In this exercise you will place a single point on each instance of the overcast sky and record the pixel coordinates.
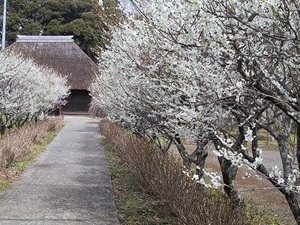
(125, 3)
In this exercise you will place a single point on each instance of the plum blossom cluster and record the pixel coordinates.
(211, 179)
(212, 71)
(27, 90)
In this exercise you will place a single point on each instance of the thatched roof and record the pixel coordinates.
(59, 53)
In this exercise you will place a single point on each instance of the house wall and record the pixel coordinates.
(79, 101)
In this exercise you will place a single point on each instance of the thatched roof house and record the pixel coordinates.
(63, 55)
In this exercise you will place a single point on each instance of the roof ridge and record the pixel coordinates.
(40, 38)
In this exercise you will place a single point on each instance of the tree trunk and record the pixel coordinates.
(298, 144)
(187, 161)
(254, 143)
(229, 172)
(293, 199)
(2, 130)
(292, 196)
(201, 155)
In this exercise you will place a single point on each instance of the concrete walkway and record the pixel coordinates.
(69, 183)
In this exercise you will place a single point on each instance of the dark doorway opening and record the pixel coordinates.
(79, 101)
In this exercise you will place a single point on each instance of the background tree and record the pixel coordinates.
(86, 20)
(112, 10)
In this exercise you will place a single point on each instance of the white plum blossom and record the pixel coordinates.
(249, 135)
(160, 73)
(26, 90)
(209, 69)
(210, 179)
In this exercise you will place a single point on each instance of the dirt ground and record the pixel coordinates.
(259, 191)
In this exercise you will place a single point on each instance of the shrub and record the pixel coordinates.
(16, 142)
(162, 176)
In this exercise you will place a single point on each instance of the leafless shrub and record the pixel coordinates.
(15, 143)
(162, 176)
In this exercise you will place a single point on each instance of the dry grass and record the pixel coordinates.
(15, 143)
(133, 204)
(162, 176)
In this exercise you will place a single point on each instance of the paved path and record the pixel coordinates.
(69, 183)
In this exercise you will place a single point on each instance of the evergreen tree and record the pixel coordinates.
(87, 20)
